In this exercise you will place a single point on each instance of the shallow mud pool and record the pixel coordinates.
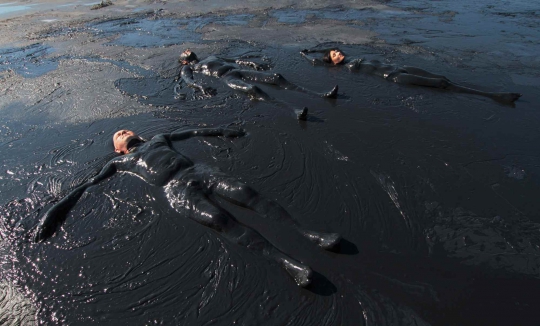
(434, 192)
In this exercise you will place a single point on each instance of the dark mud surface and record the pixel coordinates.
(434, 192)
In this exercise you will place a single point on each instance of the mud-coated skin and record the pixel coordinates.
(238, 78)
(187, 186)
(408, 75)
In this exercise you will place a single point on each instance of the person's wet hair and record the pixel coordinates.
(326, 56)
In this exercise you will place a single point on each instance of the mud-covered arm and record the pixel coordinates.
(187, 76)
(205, 132)
(57, 214)
(315, 59)
(247, 63)
(354, 65)
(252, 64)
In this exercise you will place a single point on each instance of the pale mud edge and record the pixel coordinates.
(15, 309)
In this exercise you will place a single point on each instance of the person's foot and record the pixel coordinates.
(300, 273)
(177, 91)
(508, 97)
(302, 114)
(327, 241)
(332, 93)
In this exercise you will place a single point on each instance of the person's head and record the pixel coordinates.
(334, 56)
(188, 57)
(121, 140)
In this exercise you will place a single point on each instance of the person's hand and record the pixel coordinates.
(46, 227)
(209, 91)
(233, 132)
(262, 66)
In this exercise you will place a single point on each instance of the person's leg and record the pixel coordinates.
(233, 79)
(191, 199)
(302, 114)
(235, 82)
(422, 73)
(243, 195)
(409, 79)
(280, 81)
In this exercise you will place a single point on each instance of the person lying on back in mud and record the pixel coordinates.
(402, 75)
(189, 188)
(231, 71)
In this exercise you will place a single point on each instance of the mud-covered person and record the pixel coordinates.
(398, 74)
(237, 73)
(188, 187)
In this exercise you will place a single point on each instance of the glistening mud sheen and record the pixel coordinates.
(431, 190)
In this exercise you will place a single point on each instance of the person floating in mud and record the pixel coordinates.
(187, 187)
(402, 75)
(232, 73)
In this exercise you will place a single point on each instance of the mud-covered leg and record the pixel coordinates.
(233, 79)
(252, 90)
(200, 208)
(506, 97)
(302, 114)
(243, 195)
(445, 84)
(280, 81)
(423, 73)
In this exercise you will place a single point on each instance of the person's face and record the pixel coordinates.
(336, 56)
(121, 139)
(186, 57)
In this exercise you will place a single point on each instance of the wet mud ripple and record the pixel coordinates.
(384, 165)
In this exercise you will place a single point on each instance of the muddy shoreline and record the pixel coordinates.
(434, 192)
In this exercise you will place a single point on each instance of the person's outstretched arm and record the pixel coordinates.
(57, 214)
(205, 132)
(252, 64)
(187, 77)
(245, 62)
(315, 60)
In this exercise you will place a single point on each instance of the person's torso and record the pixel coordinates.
(156, 162)
(214, 66)
(375, 67)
